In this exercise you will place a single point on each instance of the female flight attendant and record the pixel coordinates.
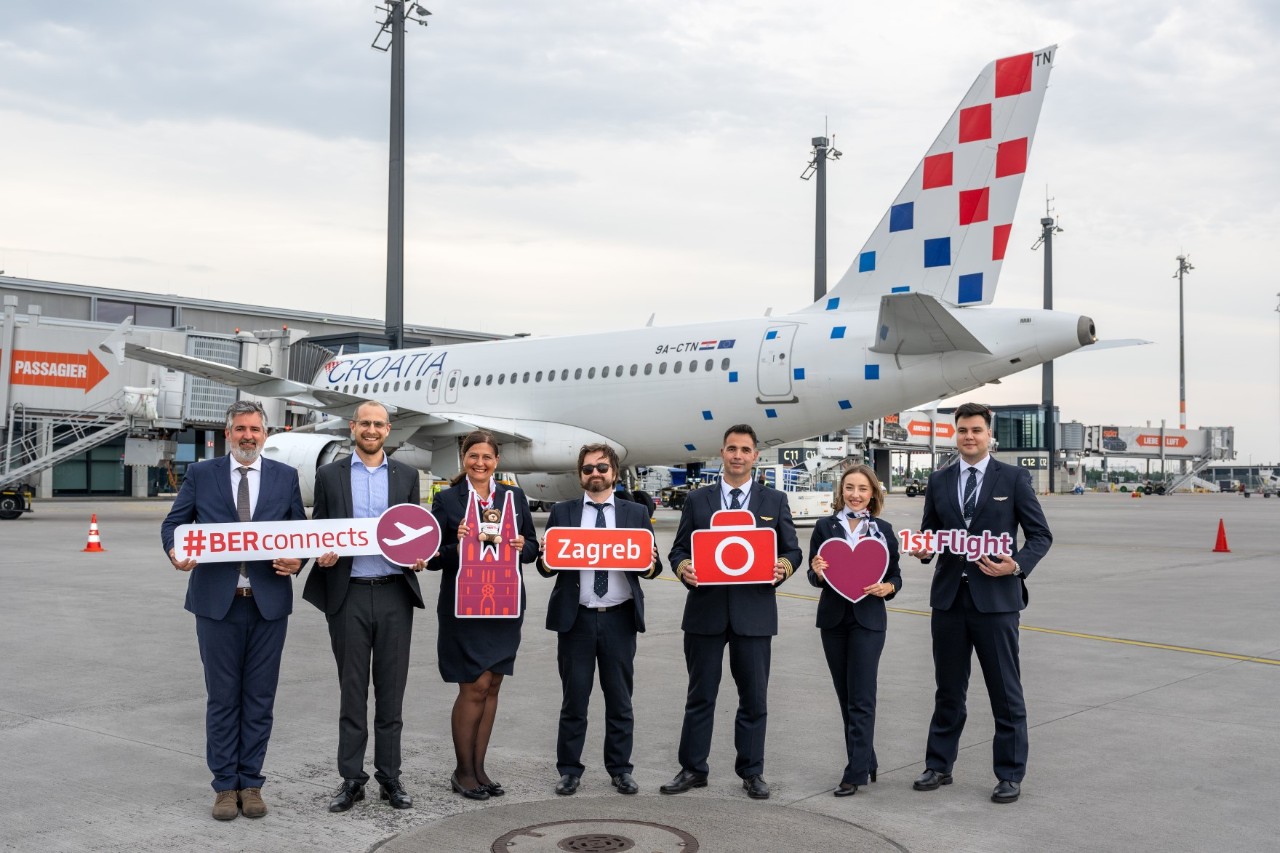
(853, 634)
(476, 653)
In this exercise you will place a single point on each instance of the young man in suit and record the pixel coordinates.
(597, 614)
(742, 616)
(976, 605)
(242, 609)
(369, 604)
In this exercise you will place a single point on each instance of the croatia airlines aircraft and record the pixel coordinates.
(909, 322)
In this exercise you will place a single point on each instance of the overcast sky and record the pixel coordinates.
(644, 157)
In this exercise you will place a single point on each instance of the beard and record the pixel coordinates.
(597, 483)
(246, 454)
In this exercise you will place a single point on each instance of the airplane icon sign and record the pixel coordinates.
(408, 533)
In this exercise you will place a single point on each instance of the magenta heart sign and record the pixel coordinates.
(853, 568)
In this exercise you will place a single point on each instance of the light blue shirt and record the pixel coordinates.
(619, 591)
(369, 489)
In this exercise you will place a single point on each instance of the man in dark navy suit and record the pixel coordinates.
(242, 609)
(742, 616)
(597, 614)
(976, 604)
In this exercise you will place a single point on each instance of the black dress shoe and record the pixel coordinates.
(625, 784)
(844, 789)
(348, 794)
(480, 792)
(568, 785)
(684, 780)
(494, 788)
(756, 787)
(394, 793)
(1006, 792)
(929, 780)
(873, 774)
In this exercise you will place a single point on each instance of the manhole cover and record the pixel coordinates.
(596, 836)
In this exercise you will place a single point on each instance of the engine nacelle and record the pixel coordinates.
(549, 488)
(306, 452)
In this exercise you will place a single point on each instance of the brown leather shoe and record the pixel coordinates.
(226, 806)
(251, 802)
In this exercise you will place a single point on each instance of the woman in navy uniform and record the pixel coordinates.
(476, 653)
(853, 634)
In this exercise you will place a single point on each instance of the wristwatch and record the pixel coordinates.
(1017, 570)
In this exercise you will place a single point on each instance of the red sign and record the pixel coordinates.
(616, 549)
(488, 583)
(57, 369)
(942, 429)
(734, 550)
(1144, 440)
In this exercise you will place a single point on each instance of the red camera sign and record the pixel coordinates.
(734, 550)
(618, 549)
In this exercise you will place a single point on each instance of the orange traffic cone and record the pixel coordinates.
(1221, 545)
(95, 542)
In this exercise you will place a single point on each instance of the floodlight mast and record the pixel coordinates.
(392, 25)
(1048, 227)
(823, 150)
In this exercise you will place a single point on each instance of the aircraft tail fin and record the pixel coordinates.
(946, 233)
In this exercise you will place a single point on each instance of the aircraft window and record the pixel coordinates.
(577, 374)
(501, 378)
(488, 380)
(693, 366)
(724, 365)
(466, 381)
(710, 364)
(604, 372)
(477, 381)
(619, 374)
(648, 368)
(551, 376)
(525, 378)
(564, 375)
(662, 368)
(453, 382)
(675, 368)
(417, 386)
(366, 387)
(513, 378)
(538, 376)
(633, 370)
(591, 374)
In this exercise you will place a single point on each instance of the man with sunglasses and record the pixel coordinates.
(597, 614)
(368, 603)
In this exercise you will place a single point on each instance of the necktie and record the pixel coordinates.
(242, 506)
(735, 499)
(601, 583)
(970, 494)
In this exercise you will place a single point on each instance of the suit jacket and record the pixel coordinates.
(450, 510)
(562, 607)
(206, 498)
(1006, 502)
(750, 610)
(832, 606)
(327, 588)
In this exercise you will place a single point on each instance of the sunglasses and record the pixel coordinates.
(598, 468)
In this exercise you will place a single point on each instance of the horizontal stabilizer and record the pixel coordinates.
(1116, 344)
(918, 324)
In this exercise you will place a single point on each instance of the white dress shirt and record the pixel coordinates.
(255, 480)
(619, 590)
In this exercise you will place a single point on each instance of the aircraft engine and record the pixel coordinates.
(306, 452)
(543, 489)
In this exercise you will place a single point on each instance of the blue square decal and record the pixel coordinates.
(798, 373)
(905, 288)
(771, 334)
(937, 252)
(733, 376)
(770, 413)
(833, 303)
(970, 288)
(690, 447)
(845, 404)
(902, 217)
(866, 262)
(872, 371)
(706, 414)
(837, 332)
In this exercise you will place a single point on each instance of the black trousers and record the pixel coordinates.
(749, 665)
(853, 656)
(606, 641)
(371, 635)
(958, 632)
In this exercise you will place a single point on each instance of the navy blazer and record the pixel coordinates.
(450, 510)
(205, 498)
(832, 606)
(750, 610)
(562, 607)
(1006, 502)
(327, 588)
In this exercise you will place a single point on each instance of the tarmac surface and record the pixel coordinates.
(1151, 667)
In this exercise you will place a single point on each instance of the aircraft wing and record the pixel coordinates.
(917, 324)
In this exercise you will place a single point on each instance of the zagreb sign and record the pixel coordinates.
(617, 549)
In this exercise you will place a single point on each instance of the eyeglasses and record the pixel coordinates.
(598, 468)
(373, 424)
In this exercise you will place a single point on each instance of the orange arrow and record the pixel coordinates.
(1175, 441)
(57, 369)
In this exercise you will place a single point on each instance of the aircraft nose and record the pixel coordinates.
(1085, 331)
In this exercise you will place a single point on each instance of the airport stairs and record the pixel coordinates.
(22, 456)
(1191, 480)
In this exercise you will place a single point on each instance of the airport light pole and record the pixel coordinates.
(1184, 267)
(1048, 227)
(392, 27)
(823, 150)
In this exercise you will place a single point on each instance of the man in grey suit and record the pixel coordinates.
(369, 603)
(976, 604)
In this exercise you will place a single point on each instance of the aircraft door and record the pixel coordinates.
(433, 387)
(451, 386)
(774, 369)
